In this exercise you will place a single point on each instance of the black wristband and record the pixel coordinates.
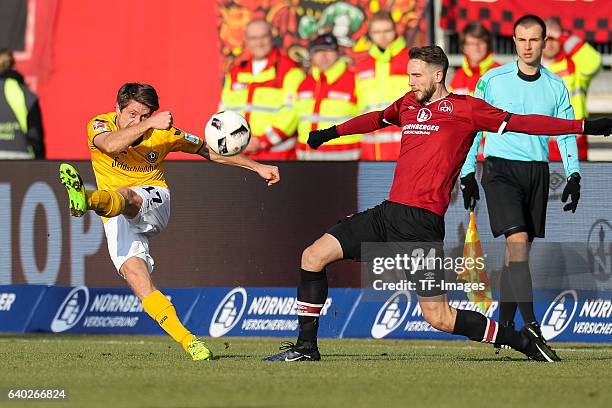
(602, 126)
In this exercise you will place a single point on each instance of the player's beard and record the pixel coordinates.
(427, 93)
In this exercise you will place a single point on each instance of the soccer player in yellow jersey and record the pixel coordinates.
(128, 148)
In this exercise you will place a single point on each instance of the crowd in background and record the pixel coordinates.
(283, 101)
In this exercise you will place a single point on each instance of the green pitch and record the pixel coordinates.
(134, 371)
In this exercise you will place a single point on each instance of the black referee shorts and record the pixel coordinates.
(393, 222)
(517, 196)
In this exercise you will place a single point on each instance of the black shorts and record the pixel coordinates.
(392, 222)
(517, 196)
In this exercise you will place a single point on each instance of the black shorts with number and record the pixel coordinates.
(517, 196)
(392, 222)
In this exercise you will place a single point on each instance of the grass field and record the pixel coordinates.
(134, 371)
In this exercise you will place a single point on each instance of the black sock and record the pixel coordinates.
(507, 303)
(520, 277)
(312, 294)
(478, 327)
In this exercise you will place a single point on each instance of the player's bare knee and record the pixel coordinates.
(517, 246)
(313, 258)
(136, 274)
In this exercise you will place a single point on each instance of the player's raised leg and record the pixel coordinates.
(106, 203)
(478, 327)
(136, 273)
(312, 294)
(71, 179)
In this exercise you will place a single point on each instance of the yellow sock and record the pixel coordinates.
(163, 312)
(105, 203)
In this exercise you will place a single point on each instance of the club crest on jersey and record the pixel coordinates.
(445, 106)
(98, 125)
(424, 115)
(152, 156)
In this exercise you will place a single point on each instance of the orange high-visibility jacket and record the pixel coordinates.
(264, 100)
(576, 64)
(380, 79)
(325, 99)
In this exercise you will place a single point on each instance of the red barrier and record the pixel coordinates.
(96, 47)
(588, 18)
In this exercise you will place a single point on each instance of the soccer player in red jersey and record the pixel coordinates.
(438, 129)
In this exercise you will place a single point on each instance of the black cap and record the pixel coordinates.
(325, 41)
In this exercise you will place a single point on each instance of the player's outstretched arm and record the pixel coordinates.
(265, 171)
(489, 118)
(120, 140)
(366, 123)
(546, 125)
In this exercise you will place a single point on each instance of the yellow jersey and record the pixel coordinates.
(141, 164)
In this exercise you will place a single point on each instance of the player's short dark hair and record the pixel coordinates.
(477, 30)
(529, 20)
(134, 91)
(431, 54)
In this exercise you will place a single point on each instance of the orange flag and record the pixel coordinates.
(475, 270)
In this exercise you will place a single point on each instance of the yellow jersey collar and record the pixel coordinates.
(483, 67)
(332, 73)
(391, 51)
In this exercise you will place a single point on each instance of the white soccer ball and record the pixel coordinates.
(227, 133)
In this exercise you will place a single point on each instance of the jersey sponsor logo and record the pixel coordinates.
(193, 138)
(423, 115)
(445, 106)
(236, 86)
(136, 168)
(97, 126)
(419, 129)
(229, 312)
(71, 310)
(391, 315)
(559, 314)
(152, 156)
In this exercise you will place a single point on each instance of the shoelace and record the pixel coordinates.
(287, 345)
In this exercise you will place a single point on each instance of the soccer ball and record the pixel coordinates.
(227, 133)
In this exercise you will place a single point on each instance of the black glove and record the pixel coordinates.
(469, 188)
(317, 137)
(572, 188)
(601, 126)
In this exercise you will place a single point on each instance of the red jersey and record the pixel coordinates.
(436, 138)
